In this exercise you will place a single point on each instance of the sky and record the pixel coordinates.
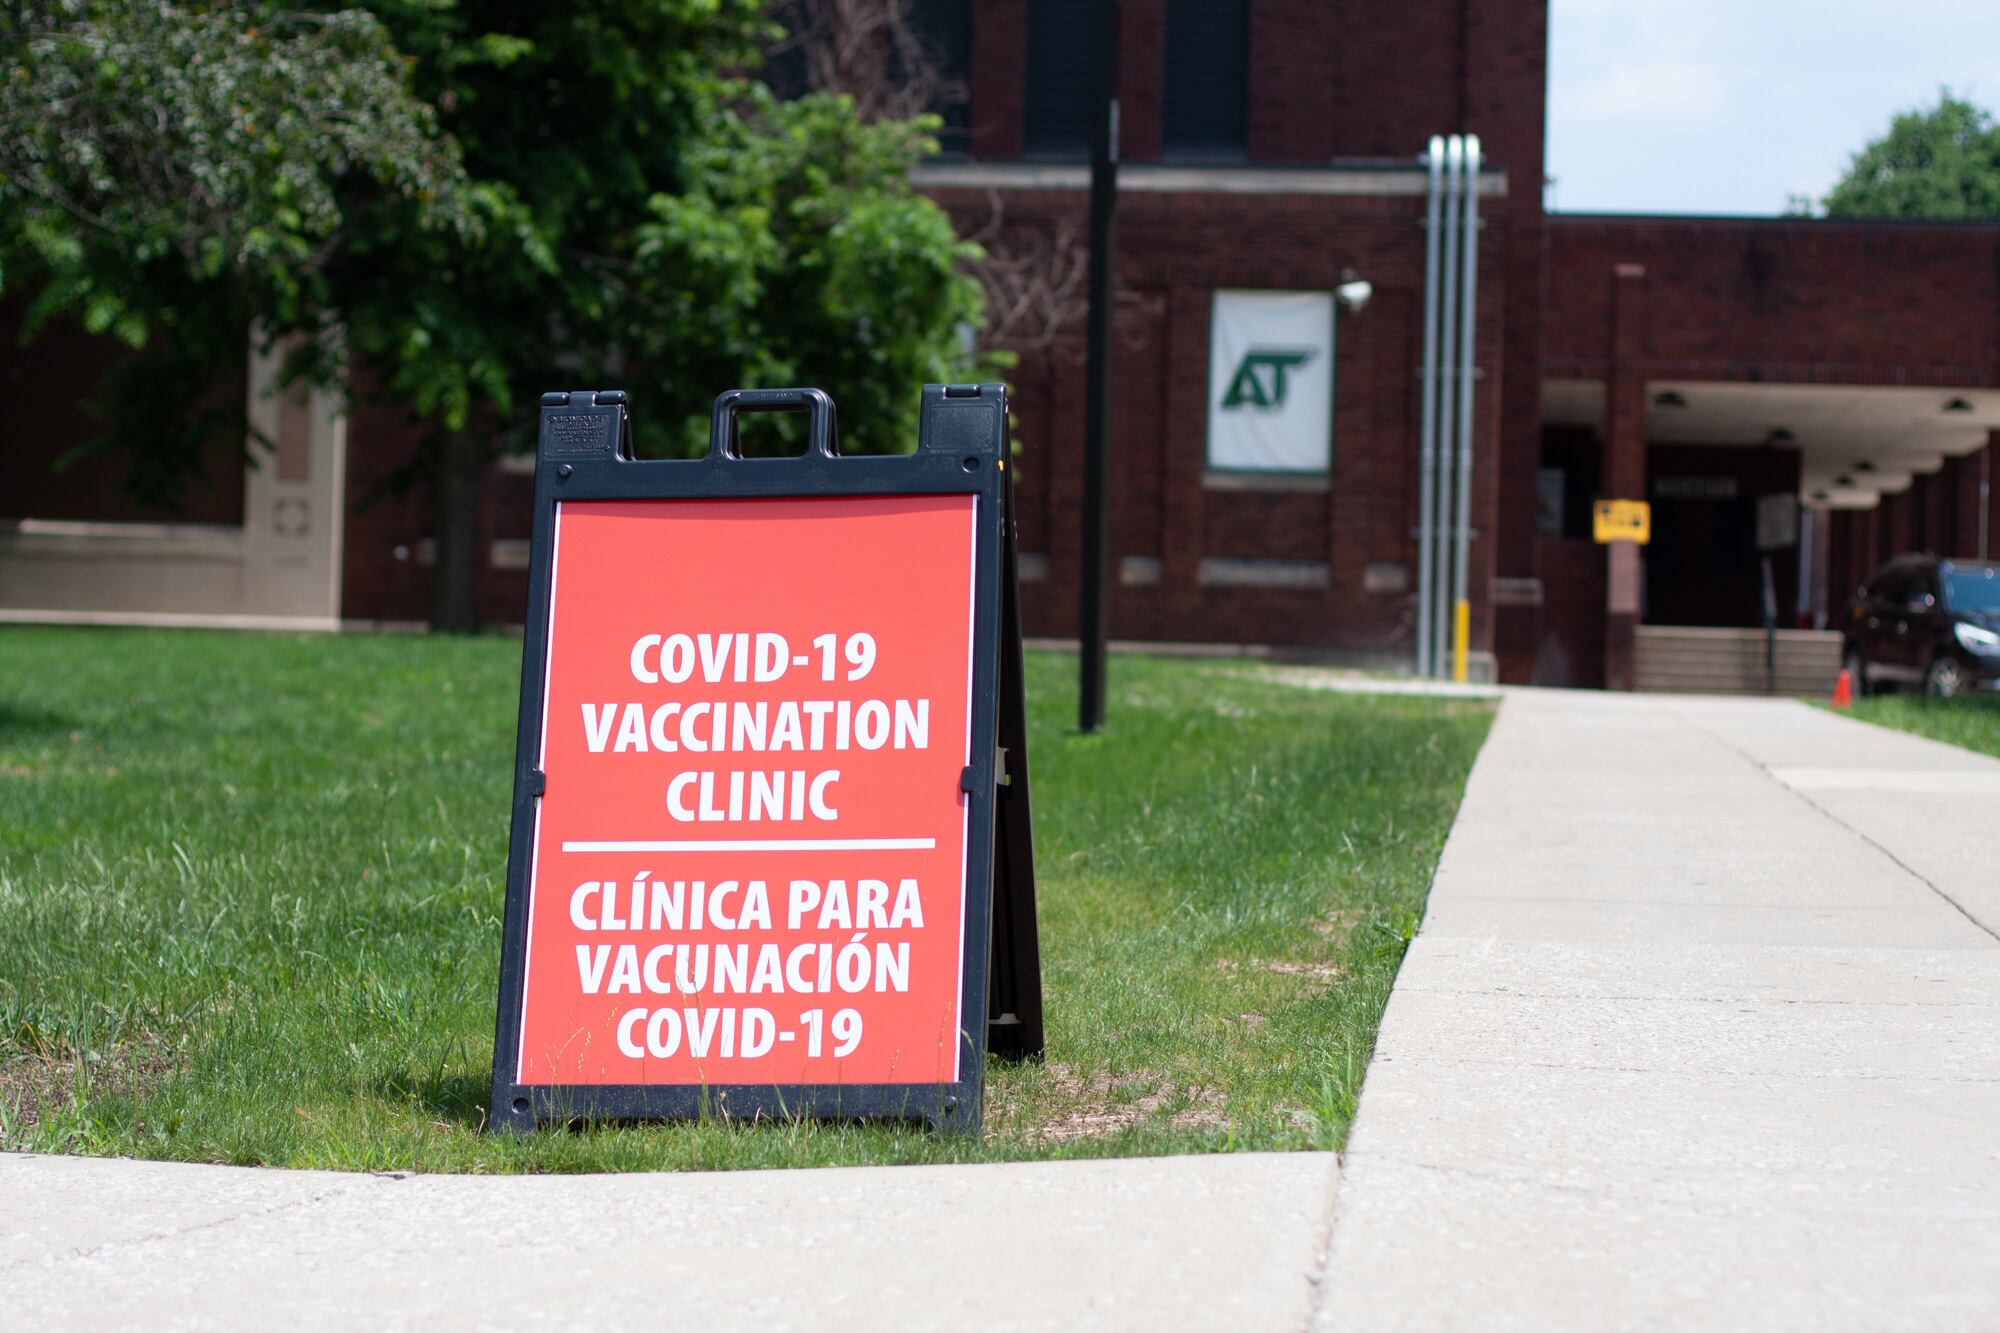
(1734, 106)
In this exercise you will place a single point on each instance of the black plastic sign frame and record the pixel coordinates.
(584, 453)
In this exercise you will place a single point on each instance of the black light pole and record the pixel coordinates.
(1095, 604)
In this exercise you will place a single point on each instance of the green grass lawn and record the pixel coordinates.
(1972, 723)
(252, 890)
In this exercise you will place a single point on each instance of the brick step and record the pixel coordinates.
(1810, 661)
(1732, 634)
(1655, 672)
(1651, 670)
(1736, 653)
(1747, 670)
(1697, 660)
(1650, 661)
(1721, 687)
(1652, 653)
(1796, 683)
(1810, 666)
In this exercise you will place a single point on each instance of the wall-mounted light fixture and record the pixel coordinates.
(1353, 292)
(1958, 405)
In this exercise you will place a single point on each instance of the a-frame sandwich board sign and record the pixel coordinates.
(771, 851)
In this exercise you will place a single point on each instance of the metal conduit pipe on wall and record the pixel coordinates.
(1467, 320)
(1427, 431)
(1444, 487)
(1440, 517)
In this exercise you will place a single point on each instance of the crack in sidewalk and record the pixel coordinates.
(1836, 820)
(1677, 1071)
(332, 1191)
(1700, 999)
(1316, 1276)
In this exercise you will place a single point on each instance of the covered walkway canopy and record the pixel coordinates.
(1856, 443)
(1799, 399)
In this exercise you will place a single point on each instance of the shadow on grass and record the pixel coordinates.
(24, 722)
(458, 1099)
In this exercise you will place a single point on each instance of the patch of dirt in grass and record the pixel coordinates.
(32, 1089)
(1340, 924)
(1101, 1104)
(1325, 973)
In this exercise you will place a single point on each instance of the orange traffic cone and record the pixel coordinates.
(1843, 691)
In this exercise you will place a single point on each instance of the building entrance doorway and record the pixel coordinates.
(1702, 567)
(1705, 565)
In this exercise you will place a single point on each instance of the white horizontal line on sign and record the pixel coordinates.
(762, 845)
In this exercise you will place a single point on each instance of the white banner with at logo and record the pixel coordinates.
(1270, 381)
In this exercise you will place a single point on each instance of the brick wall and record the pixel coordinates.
(1344, 82)
(1328, 79)
(1506, 46)
(1800, 302)
(999, 73)
(1174, 252)
(1571, 651)
(384, 575)
(49, 384)
(1783, 300)
(1939, 513)
(1777, 300)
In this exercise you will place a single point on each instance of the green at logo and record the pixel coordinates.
(1260, 380)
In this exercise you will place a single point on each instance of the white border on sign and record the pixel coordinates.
(965, 816)
(761, 845)
(542, 765)
(965, 813)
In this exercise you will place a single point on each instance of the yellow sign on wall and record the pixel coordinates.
(1624, 521)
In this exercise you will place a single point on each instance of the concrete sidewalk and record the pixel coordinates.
(1167, 1243)
(1702, 1030)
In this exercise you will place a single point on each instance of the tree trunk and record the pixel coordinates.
(456, 494)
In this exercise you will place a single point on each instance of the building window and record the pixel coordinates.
(1207, 79)
(1568, 481)
(1056, 120)
(1270, 382)
(941, 31)
(913, 57)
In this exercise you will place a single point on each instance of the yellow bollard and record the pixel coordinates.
(1461, 636)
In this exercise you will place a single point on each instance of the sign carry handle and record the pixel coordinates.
(821, 433)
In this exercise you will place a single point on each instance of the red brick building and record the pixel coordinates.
(1837, 380)
(1869, 346)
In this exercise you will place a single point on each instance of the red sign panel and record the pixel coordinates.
(748, 862)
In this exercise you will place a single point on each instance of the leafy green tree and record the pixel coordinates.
(591, 193)
(796, 253)
(1940, 163)
(170, 174)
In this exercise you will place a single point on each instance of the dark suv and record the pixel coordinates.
(1928, 622)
